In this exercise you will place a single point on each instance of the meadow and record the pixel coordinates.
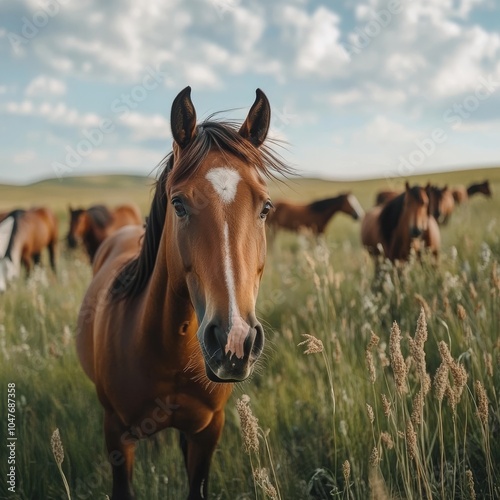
(393, 392)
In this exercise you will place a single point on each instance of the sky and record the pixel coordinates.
(358, 89)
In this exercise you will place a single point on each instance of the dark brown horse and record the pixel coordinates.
(395, 226)
(482, 187)
(93, 225)
(168, 322)
(461, 194)
(313, 216)
(23, 236)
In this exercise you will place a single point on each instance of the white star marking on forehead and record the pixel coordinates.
(225, 182)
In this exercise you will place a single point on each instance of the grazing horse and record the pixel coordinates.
(483, 188)
(168, 322)
(314, 216)
(23, 236)
(93, 225)
(397, 223)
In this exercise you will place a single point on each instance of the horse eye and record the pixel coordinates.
(267, 208)
(179, 207)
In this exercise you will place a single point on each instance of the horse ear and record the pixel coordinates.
(256, 124)
(183, 118)
(407, 186)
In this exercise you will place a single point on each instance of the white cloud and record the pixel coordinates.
(145, 127)
(44, 85)
(57, 113)
(316, 39)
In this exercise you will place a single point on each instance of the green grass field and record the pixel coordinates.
(318, 438)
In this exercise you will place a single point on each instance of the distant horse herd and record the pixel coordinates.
(192, 274)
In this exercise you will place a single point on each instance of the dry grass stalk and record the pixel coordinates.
(386, 404)
(57, 447)
(417, 413)
(386, 439)
(249, 425)
(371, 415)
(441, 381)
(374, 340)
(261, 477)
(482, 403)
(470, 484)
(458, 373)
(346, 471)
(58, 452)
(488, 363)
(398, 364)
(313, 344)
(411, 441)
(372, 374)
(462, 315)
(423, 305)
(374, 457)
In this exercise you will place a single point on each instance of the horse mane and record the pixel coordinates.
(100, 216)
(392, 210)
(211, 135)
(16, 214)
(321, 206)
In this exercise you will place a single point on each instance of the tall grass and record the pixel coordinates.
(397, 397)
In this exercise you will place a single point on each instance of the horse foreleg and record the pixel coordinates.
(52, 255)
(199, 451)
(36, 259)
(121, 451)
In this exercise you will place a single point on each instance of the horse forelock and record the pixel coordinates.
(100, 216)
(223, 136)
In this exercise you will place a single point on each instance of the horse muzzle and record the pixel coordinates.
(415, 232)
(71, 240)
(231, 357)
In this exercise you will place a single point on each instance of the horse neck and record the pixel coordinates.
(474, 189)
(401, 241)
(332, 209)
(168, 320)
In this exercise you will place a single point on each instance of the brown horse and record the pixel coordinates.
(395, 225)
(441, 203)
(23, 236)
(168, 322)
(461, 194)
(314, 216)
(93, 225)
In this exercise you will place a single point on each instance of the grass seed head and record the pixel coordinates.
(482, 402)
(313, 344)
(398, 364)
(57, 447)
(249, 425)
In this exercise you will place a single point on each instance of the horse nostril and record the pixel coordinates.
(258, 343)
(213, 345)
(415, 232)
